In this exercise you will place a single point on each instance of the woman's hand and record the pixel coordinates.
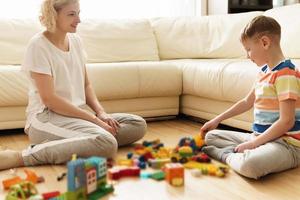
(208, 126)
(104, 125)
(244, 146)
(114, 124)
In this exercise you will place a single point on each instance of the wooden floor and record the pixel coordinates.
(285, 185)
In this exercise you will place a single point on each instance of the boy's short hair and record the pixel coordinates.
(261, 25)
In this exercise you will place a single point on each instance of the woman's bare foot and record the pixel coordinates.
(10, 159)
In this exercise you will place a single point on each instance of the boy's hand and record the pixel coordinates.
(208, 126)
(244, 146)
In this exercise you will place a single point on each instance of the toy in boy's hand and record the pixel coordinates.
(202, 134)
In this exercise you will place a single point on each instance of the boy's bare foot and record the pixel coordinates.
(10, 159)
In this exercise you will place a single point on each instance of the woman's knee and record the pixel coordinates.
(107, 146)
(141, 127)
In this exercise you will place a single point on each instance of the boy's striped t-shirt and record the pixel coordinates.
(279, 84)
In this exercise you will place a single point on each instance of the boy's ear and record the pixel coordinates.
(265, 41)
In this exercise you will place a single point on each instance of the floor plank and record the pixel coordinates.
(280, 186)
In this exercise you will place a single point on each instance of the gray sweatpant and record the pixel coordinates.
(55, 137)
(269, 158)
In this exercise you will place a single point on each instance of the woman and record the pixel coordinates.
(57, 123)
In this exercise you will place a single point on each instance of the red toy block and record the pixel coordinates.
(49, 195)
(116, 174)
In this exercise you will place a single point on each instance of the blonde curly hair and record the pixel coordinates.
(49, 11)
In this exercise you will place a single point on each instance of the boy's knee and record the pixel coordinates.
(210, 137)
(250, 169)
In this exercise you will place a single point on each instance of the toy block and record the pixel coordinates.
(101, 192)
(201, 157)
(125, 162)
(117, 173)
(129, 155)
(208, 168)
(31, 176)
(158, 163)
(142, 165)
(49, 195)
(160, 175)
(12, 181)
(114, 174)
(145, 175)
(174, 174)
(199, 141)
(196, 172)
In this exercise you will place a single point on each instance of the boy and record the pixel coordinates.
(274, 145)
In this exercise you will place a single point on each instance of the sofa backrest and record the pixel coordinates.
(14, 37)
(289, 20)
(215, 36)
(104, 40)
(118, 40)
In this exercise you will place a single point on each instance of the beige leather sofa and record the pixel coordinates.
(153, 67)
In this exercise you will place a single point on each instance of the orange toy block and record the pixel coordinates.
(31, 176)
(9, 182)
(174, 174)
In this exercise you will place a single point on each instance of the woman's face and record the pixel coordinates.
(68, 18)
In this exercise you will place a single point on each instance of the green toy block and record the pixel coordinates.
(160, 175)
(101, 192)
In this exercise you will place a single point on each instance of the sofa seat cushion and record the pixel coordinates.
(118, 40)
(135, 80)
(13, 86)
(218, 79)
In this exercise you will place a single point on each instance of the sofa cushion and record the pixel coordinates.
(13, 86)
(14, 37)
(135, 80)
(218, 79)
(289, 19)
(215, 36)
(118, 40)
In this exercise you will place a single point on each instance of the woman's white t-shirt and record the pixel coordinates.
(66, 68)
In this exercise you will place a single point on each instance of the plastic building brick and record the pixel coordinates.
(160, 175)
(49, 195)
(174, 174)
(158, 163)
(117, 173)
(87, 179)
(125, 162)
